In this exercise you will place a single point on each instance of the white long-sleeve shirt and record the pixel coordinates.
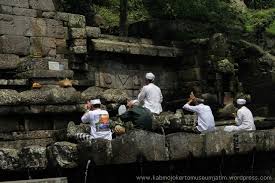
(99, 122)
(244, 121)
(206, 121)
(152, 97)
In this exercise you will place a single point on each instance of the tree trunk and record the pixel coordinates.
(123, 24)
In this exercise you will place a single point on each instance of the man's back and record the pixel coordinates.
(140, 116)
(206, 120)
(152, 97)
(245, 118)
(99, 121)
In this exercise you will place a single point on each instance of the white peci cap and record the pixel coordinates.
(150, 76)
(241, 101)
(95, 101)
(134, 102)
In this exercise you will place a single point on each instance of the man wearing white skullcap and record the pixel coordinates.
(205, 118)
(99, 123)
(244, 118)
(151, 95)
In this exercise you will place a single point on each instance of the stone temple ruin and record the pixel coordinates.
(39, 44)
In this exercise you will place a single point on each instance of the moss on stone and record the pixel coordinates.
(271, 29)
(256, 18)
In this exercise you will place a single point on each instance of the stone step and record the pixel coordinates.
(49, 180)
(135, 146)
(29, 135)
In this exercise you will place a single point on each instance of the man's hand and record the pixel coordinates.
(234, 115)
(192, 96)
(119, 130)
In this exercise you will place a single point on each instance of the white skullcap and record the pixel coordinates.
(134, 102)
(95, 101)
(241, 101)
(150, 76)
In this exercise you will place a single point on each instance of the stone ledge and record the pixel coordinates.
(46, 74)
(135, 146)
(13, 82)
(39, 134)
(134, 48)
(19, 144)
(50, 180)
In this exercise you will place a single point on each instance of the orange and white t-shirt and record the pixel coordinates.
(99, 121)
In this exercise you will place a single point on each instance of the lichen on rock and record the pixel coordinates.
(225, 66)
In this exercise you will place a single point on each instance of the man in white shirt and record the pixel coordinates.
(151, 95)
(244, 118)
(205, 119)
(99, 122)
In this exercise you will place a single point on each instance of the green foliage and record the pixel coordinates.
(260, 20)
(110, 10)
(76, 6)
(260, 4)
(271, 29)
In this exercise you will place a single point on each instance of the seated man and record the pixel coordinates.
(244, 118)
(99, 123)
(205, 119)
(151, 95)
(138, 115)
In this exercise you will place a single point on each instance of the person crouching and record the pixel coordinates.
(244, 119)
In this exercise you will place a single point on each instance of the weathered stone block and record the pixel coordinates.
(46, 74)
(61, 43)
(33, 157)
(38, 27)
(92, 93)
(5, 9)
(44, 5)
(61, 109)
(62, 16)
(18, 144)
(35, 97)
(182, 145)
(24, 12)
(93, 32)
(40, 63)
(99, 151)
(247, 141)
(65, 95)
(78, 33)
(43, 46)
(48, 180)
(9, 61)
(79, 42)
(61, 46)
(76, 21)
(134, 48)
(8, 124)
(138, 144)
(9, 97)
(18, 45)
(79, 49)
(193, 74)
(217, 142)
(64, 154)
(17, 3)
(47, 28)
(49, 15)
(114, 96)
(55, 28)
(9, 159)
(15, 25)
(55, 95)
